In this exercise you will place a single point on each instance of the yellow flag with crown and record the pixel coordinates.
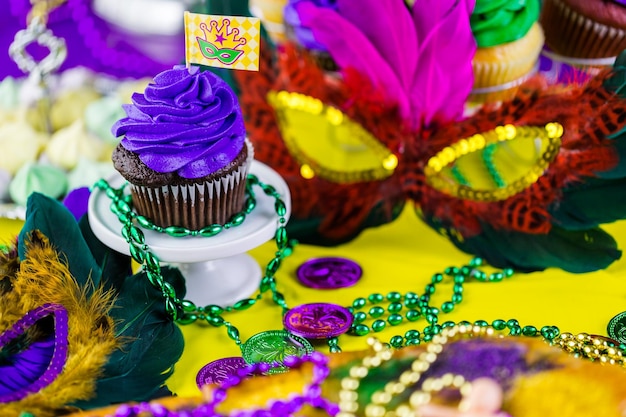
(222, 41)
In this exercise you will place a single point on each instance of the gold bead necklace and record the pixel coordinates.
(594, 348)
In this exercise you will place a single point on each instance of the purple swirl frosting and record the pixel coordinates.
(187, 121)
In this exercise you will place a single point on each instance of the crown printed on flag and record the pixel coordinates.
(221, 42)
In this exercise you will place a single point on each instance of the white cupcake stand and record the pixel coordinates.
(217, 270)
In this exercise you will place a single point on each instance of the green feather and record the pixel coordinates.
(52, 219)
(573, 251)
(115, 267)
(154, 343)
(617, 81)
(576, 251)
(591, 204)
(618, 143)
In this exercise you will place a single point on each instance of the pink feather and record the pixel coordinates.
(444, 75)
(424, 64)
(389, 27)
(353, 50)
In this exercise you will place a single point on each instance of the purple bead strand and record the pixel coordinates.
(59, 356)
(94, 33)
(312, 394)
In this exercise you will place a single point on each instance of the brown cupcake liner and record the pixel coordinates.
(194, 206)
(571, 34)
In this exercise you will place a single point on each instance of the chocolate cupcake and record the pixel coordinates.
(183, 150)
(586, 29)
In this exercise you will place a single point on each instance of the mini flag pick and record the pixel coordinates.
(222, 41)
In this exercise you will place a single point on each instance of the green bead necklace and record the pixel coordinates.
(410, 306)
(185, 311)
(415, 306)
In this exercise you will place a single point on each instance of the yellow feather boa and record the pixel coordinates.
(42, 277)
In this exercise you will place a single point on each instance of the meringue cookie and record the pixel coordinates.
(20, 144)
(101, 115)
(45, 179)
(5, 180)
(70, 105)
(74, 78)
(87, 173)
(10, 109)
(126, 89)
(69, 144)
(9, 94)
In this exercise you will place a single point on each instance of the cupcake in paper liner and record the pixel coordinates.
(211, 200)
(586, 29)
(509, 41)
(184, 150)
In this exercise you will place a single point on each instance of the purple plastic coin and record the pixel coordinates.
(318, 320)
(219, 370)
(329, 273)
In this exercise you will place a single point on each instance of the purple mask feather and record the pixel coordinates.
(39, 364)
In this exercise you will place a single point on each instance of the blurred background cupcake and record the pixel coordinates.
(271, 14)
(585, 28)
(585, 33)
(509, 40)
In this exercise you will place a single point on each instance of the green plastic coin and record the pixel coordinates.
(617, 327)
(273, 347)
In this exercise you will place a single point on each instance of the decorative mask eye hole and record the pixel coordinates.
(327, 143)
(496, 164)
(32, 361)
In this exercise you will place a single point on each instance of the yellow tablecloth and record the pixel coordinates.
(402, 256)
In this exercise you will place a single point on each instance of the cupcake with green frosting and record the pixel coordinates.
(509, 40)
